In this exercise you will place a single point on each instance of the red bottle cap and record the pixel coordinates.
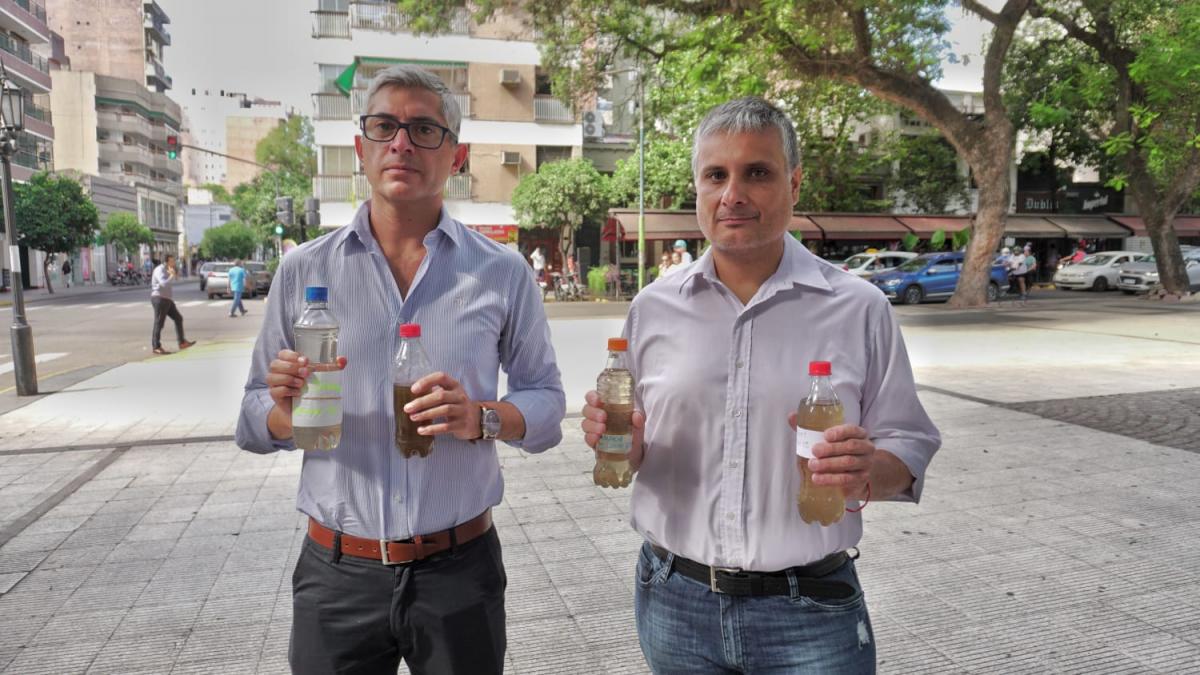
(410, 330)
(618, 344)
(819, 368)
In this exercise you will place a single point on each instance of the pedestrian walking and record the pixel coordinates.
(538, 260)
(66, 272)
(402, 562)
(161, 292)
(730, 578)
(237, 285)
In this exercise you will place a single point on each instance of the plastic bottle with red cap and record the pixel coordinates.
(821, 410)
(411, 365)
(615, 387)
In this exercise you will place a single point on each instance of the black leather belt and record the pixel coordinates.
(738, 582)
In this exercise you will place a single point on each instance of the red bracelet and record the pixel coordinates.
(865, 501)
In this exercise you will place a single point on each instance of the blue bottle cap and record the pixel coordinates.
(316, 294)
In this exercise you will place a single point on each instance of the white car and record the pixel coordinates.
(1098, 271)
(868, 264)
(1142, 276)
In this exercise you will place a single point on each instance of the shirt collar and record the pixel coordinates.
(360, 228)
(798, 267)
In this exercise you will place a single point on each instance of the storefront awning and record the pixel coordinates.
(860, 227)
(1185, 226)
(660, 224)
(806, 227)
(925, 226)
(1030, 226)
(1089, 226)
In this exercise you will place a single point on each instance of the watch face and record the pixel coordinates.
(491, 422)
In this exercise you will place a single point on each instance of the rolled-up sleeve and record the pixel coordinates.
(252, 433)
(891, 410)
(527, 356)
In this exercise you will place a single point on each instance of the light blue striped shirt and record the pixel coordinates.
(479, 310)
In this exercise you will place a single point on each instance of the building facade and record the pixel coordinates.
(118, 38)
(510, 121)
(229, 123)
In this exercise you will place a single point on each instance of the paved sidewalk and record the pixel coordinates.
(1040, 546)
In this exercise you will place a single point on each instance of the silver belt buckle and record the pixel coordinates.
(712, 576)
(383, 555)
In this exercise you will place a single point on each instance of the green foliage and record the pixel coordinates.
(219, 194)
(125, 233)
(562, 195)
(596, 280)
(928, 179)
(938, 241)
(289, 147)
(910, 241)
(53, 213)
(254, 203)
(962, 238)
(228, 241)
(668, 170)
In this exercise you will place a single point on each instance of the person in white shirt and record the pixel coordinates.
(730, 578)
(539, 263)
(681, 249)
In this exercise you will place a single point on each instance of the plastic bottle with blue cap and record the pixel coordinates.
(317, 413)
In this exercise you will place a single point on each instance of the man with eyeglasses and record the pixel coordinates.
(402, 560)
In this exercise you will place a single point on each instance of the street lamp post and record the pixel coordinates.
(12, 121)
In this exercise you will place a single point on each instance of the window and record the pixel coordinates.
(334, 5)
(552, 153)
(329, 74)
(338, 161)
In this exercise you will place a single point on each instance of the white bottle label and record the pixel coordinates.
(617, 444)
(320, 402)
(805, 440)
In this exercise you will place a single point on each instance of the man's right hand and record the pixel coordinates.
(593, 425)
(285, 379)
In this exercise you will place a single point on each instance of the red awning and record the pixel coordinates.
(660, 224)
(612, 230)
(860, 227)
(925, 226)
(807, 228)
(1185, 226)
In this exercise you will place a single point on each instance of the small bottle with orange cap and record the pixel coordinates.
(615, 387)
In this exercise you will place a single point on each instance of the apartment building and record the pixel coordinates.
(229, 123)
(510, 121)
(117, 38)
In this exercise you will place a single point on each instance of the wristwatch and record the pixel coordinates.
(489, 423)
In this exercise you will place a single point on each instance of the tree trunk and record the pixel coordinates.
(1160, 219)
(991, 169)
(46, 274)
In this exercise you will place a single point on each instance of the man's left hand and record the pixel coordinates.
(441, 396)
(844, 459)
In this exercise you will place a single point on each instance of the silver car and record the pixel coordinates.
(1097, 272)
(869, 264)
(1141, 276)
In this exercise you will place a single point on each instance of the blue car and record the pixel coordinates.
(932, 276)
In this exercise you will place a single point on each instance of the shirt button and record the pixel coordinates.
(733, 464)
(398, 499)
(739, 363)
(737, 413)
(729, 516)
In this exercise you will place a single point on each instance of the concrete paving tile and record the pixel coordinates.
(75, 627)
(144, 654)
(55, 659)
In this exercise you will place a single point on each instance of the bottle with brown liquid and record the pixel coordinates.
(615, 387)
(821, 410)
(411, 365)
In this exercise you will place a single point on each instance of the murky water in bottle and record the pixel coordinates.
(822, 504)
(615, 386)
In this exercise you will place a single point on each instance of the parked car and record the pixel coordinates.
(262, 278)
(1140, 276)
(1098, 271)
(932, 276)
(868, 264)
(218, 280)
(204, 270)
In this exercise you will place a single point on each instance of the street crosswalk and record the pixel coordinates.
(7, 367)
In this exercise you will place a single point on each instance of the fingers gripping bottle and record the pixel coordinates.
(317, 413)
(821, 410)
(615, 386)
(411, 365)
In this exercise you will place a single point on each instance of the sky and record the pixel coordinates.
(263, 48)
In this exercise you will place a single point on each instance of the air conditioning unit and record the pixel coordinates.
(510, 158)
(510, 76)
(593, 125)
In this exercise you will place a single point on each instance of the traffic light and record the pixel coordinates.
(172, 147)
(312, 216)
(283, 211)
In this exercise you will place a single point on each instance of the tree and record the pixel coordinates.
(289, 147)
(668, 171)
(228, 241)
(125, 233)
(928, 178)
(564, 195)
(892, 48)
(219, 194)
(289, 150)
(53, 215)
(1118, 86)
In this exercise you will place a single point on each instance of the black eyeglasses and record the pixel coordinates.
(383, 128)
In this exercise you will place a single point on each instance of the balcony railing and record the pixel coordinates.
(387, 17)
(23, 52)
(331, 106)
(159, 28)
(458, 187)
(355, 188)
(38, 113)
(328, 24)
(358, 103)
(550, 109)
(33, 8)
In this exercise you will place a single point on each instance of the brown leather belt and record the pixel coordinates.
(419, 547)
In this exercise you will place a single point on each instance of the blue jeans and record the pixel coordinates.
(237, 303)
(686, 628)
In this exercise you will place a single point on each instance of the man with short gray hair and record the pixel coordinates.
(402, 561)
(731, 579)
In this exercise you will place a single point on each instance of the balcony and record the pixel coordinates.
(550, 109)
(358, 103)
(123, 123)
(24, 53)
(156, 75)
(387, 17)
(331, 24)
(122, 153)
(331, 106)
(156, 31)
(36, 9)
(355, 189)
